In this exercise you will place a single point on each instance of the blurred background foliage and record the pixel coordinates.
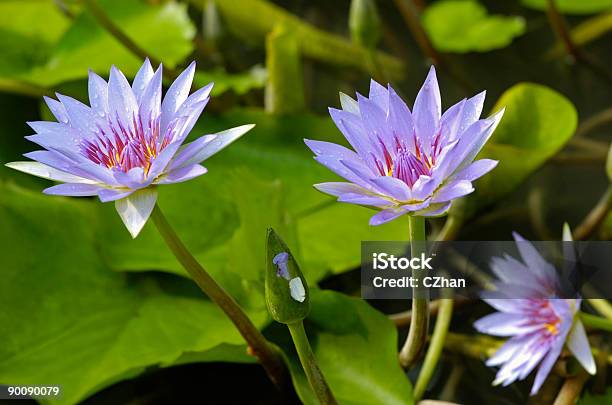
(84, 306)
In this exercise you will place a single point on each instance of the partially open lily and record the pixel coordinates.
(406, 162)
(127, 141)
(540, 324)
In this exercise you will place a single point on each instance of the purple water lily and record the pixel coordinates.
(127, 141)
(539, 324)
(406, 162)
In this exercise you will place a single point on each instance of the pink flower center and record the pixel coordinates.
(408, 164)
(120, 148)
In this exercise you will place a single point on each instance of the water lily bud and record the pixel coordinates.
(286, 287)
(609, 163)
(364, 23)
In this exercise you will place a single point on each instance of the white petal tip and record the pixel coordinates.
(567, 233)
(296, 288)
(136, 209)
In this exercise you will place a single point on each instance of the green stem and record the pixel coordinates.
(451, 228)
(23, 88)
(309, 364)
(109, 25)
(595, 217)
(436, 345)
(596, 322)
(602, 306)
(268, 357)
(417, 333)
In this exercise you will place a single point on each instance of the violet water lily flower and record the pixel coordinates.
(126, 142)
(406, 162)
(539, 323)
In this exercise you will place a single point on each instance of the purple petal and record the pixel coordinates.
(110, 194)
(547, 365)
(191, 110)
(505, 324)
(386, 215)
(206, 146)
(475, 170)
(471, 111)
(142, 79)
(393, 187)
(427, 109)
(363, 199)
(506, 352)
(578, 344)
(452, 190)
(47, 172)
(57, 109)
(73, 190)
(450, 122)
(161, 162)
(400, 118)
(351, 127)
(433, 210)
(81, 117)
(374, 121)
(349, 104)
(360, 170)
(423, 187)
(122, 105)
(541, 269)
(176, 95)
(379, 95)
(182, 174)
(98, 94)
(474, 138)
(50, 158)
(134, 178)
(338, 188)
(150, 101)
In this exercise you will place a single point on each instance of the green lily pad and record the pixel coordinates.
(537, 123)
(464, 26)
(73, 321)
(572, 6)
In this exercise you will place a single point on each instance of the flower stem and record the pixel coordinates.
(436, 345)
(596, 217)
(410, 13)
(571, 389)
(109, 25)
(266, 354)
(417, 333)
(602, 306)
(596, 322)
(309, 364)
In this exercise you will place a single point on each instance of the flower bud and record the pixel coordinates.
(364, 23)
(286, 288)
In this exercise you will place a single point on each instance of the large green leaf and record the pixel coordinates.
(163, 31)
(537, 123)
(356, 349)
(252, 20)
(42, 49)
(28, 30)
(572, 6)
(464, 26)
(68, 320)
